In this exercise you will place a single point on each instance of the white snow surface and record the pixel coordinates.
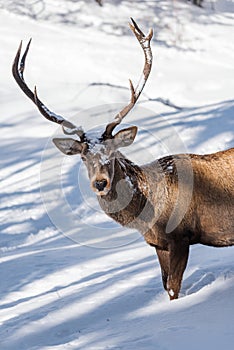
(70, 277)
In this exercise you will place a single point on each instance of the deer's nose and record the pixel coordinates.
(100, 184)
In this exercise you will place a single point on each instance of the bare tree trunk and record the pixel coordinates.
(99, 2)
(197, 2)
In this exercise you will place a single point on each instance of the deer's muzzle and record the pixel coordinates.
(100, 186)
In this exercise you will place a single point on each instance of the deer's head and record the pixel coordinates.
(98, 154)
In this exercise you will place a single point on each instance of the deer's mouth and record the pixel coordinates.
(102, 193)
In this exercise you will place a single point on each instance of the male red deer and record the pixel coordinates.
(175, 201)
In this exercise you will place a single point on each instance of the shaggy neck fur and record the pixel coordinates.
(128, 195)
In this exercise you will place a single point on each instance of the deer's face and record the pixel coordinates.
(98, 156)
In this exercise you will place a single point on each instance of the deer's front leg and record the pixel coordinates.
(163, 257)
(178, 257)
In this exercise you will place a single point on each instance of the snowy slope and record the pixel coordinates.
(70, 277)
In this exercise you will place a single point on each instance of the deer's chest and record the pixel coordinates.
(131, 209)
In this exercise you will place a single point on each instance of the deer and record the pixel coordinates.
(174, 202)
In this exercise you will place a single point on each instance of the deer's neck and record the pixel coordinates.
(128, 177)
(129, 192)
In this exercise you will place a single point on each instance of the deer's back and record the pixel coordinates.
(212, 173)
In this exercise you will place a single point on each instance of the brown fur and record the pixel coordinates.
(207, 217)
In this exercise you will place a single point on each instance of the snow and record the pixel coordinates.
(70, 277)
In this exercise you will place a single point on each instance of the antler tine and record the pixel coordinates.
(135, 92)
(18, 73)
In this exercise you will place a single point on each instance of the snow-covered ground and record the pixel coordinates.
(70, 277)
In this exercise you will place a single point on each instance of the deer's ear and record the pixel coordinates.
(68, 146)
(125, 137)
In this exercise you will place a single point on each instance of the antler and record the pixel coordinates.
(68, 127)
(18, 71)
(135, 92)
